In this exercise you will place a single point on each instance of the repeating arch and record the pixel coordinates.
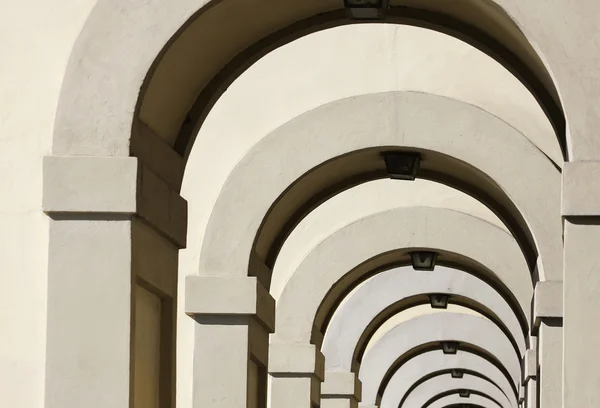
(423, 365)
(455, 399)
(479, 332)
(147, 39)
(339, 145)
(437, 385)
(356, 319)
(367, 245)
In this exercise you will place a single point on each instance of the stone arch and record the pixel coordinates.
(354, 322)
(140, 42)
(453, 400)
(436, 385)
(322, 279)
(379, 360)
(339, 145)
(423, 365)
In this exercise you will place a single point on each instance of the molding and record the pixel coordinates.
(529, 365)
(92, 187)
(341, 385)
(296, 360)
(547, 302)
(581, 189)
(208, 295)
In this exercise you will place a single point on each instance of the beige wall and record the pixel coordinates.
(36, 37)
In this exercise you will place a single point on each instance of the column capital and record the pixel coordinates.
(109, 188)
(529, 365)
(581, 189)
(299, 360)
(235, 296)
(341, 385)
(521, 394)
(547, 302)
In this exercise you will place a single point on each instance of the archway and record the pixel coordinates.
(430, 363)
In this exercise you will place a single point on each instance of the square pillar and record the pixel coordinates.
(234, 316)
(530, 375)
(341, 390)
(297, 371)
(115, 232)
(581, 230)
(547, 325)
(531, 394)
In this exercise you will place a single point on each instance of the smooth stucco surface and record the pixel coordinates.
(36, 38)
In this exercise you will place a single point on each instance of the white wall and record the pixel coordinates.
(36, 37)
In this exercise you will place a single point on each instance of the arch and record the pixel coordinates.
(352, 253)
(339, 145)
(453, 400)
(439, 384)
(422, 365)
(475, 331)
(141, 42)
(360, 314)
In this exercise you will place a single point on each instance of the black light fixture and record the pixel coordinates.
(439, 301)
(456, 373)
(423, 260)
(464, 393)
(366, 9)
(449, 347)
(402, 165)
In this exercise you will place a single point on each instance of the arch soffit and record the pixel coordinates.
(437, 385)
(140, 42)
(454, 399)
(380, 358)
(275, 201)
(341, 260)
(349, 327)
(433, 361)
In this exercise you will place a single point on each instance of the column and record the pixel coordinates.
(521, 396)
(530, 374)
(234, 316)
(581, 220)
(297, 371)
(341, 390)
(114, 237)
(547, 325)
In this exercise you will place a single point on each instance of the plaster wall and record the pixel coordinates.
(36, 37)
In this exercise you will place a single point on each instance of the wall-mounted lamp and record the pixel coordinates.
(423, 260)
(402, 165)
(456, 373)
(366, 9)
(449, 347)
(464, 393)
(439, 301)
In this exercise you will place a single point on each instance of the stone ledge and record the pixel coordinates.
(547, 302)
(213, 295)
(301, 360)
(581, 189)
(521, 394)
(529, 365)
(92, 186)
(341, 384)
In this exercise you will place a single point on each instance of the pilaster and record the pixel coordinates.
(581, 231)
(234, 316)
(297, 371)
